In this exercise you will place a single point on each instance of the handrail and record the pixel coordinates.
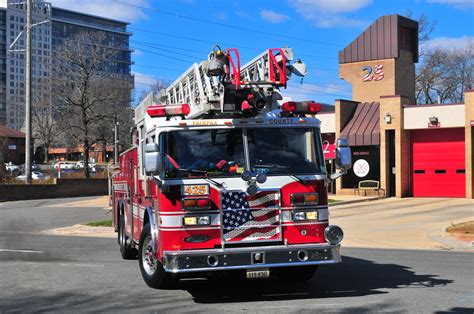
(235, 75)
(273, 64)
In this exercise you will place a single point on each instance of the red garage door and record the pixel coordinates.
(438, 163)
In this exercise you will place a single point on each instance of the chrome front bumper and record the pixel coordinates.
(245, 258)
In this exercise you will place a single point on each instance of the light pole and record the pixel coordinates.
(116, 143)
(29, 16)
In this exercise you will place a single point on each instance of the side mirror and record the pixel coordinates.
(343, 154)
(152, 159)
(343, 158)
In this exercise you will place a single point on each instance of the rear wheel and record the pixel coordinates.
(152, 270)
(297, 274)
(125, 246)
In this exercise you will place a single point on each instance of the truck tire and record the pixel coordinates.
(152, 270)
(126, 249)
(297, 274)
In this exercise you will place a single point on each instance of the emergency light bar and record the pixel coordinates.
(301, 107)
(168, 110)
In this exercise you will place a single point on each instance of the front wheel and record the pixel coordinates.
(152, 270)
(297, 274)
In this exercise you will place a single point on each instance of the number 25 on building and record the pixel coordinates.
(376, 76)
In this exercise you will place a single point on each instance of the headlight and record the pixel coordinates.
(305, 215)
(333, 234)
(312, 215)
(299, 216)
(196, 220)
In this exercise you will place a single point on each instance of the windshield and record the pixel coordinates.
(284, 151)
(221, 153)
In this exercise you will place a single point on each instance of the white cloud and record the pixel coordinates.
(273, 17)
(449, 43)
(106, 8)
(137, 52)
(221, 16)
(459, 4)
(331, 6)
(330, 13)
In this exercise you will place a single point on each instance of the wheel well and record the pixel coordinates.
(119, 211)
(146, 219)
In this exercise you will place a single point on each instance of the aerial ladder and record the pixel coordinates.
(220, 86)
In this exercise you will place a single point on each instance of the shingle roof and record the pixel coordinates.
(7, 132)
(364, 126)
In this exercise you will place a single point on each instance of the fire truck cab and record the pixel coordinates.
(241, 188)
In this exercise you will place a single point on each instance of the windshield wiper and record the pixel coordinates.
(203, 172)
(219, 185)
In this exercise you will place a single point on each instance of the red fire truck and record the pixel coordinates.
(226, 174)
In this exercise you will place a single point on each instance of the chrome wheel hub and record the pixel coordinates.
(149, 261)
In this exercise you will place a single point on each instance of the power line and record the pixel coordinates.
(157, 67)
(315, 91)
(228, 25)
(327, 86)
(156, 45)
(170, 57)
(167, 50)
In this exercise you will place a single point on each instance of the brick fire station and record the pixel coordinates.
(410, 149)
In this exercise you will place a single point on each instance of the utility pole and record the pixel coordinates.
(116, 143)
(28, 144)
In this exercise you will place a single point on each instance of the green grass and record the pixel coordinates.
(332, 201)
(100, 223)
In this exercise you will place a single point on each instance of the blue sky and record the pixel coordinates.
(166, 43)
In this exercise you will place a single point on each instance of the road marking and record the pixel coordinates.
(21, 251)
(82, 265)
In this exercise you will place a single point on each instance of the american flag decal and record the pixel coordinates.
(250, 217)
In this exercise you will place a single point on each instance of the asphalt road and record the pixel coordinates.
(42, 273)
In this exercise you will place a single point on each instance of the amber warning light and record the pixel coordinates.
(168, 110)
(301, 107)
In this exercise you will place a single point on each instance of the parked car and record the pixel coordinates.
(35, 175)
(12, 167)
(64, 165)
(80, 165)
(34, 167)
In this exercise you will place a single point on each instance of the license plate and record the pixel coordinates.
(259, 273)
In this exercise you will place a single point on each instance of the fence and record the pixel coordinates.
(61, 188)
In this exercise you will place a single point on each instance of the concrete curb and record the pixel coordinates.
(354, 201)
(442, 236)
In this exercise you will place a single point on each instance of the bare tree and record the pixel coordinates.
(3, 149)
(444, 75)
(155, 88)
(89, 98)
(45, 124)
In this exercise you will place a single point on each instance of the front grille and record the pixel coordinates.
(250, 218)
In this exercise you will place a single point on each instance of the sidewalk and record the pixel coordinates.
(408, 223)
(350, 199)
